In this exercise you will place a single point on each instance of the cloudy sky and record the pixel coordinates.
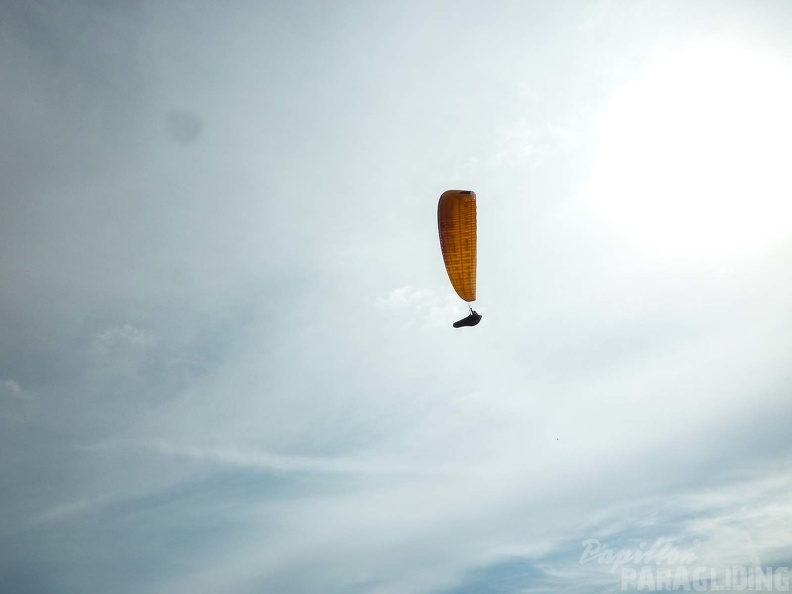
(226, 356)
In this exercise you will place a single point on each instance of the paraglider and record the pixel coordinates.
(470, 320)
(456, 224)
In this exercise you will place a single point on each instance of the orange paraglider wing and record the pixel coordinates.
(456, 223)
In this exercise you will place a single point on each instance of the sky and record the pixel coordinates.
(226, 355)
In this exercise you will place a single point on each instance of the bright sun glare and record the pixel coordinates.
(695, 155)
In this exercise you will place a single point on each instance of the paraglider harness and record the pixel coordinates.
(470, 320)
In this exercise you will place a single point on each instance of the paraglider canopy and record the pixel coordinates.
(456, 225)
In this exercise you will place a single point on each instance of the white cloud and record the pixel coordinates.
(405, 296)
(122, 338)
(424, 305)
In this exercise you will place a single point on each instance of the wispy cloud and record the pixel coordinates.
(15, 402)
(11, 389)
(235, 457)
(687, 528)
(524, 144)
(424, 305)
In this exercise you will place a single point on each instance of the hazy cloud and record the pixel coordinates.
(227, 361)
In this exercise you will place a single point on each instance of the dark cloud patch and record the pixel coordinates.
(71, 83)
(184, 127)
(119, 546)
